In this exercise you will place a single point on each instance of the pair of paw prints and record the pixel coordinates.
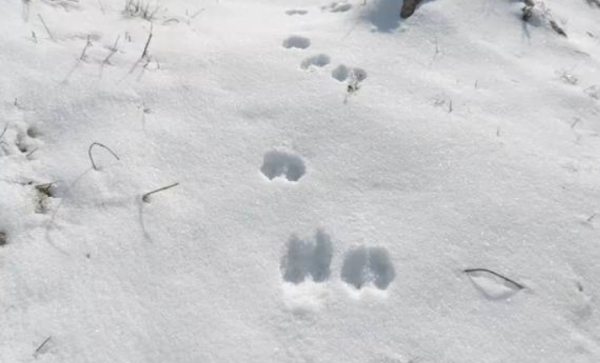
(311, 260)
(282, 165)
(352, 76)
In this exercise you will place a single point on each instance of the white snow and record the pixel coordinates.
(382, 157)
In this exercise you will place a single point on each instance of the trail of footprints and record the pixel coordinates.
(351, 76)
(362, 266)
(305, 259)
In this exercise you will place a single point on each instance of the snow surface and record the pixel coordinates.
(338, 171)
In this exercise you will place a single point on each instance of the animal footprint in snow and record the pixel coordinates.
(344, 73)
(352, 76)
(305, 259)
(296, 12)
(338, 7)
(368, 265)
(493, 285)
(318, 61)
(296, 41)
(279, 164)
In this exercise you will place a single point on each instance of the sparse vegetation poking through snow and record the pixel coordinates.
(568, 77)
(593, 92)
(3, 131)
(539, 13)
(146, 197)
(46, 27)
(485, 270)
(557, 28)
(112, 52)
(147, 45)
(102, 146)
(40, 349)
(493, 285)
(43, 192)
(146, 57)
(140, 9)
(88, 44)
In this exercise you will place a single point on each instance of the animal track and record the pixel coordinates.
(368, 265)
(343, 73)
(296, 12)
(281, 164)
(304, 259)
(19, 138)
(338, 7)
(319, 60)
(296, 41)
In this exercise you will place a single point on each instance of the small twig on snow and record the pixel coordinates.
(145, 52)
(103, 146)
(557, 28)
(45, 26)
(41, 346)
(147, 195)
(4, 131)
(87, 45)
(470, 270)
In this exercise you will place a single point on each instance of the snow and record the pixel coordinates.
(339, 169)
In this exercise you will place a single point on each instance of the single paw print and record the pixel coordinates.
(280, 164)
(372, 265)
(307, 259)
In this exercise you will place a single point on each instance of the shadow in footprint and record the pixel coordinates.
(296, 12)
(296, 41)
(281, 164)
(344, 73)
(319, 61)
(305, 259)
(368, 265)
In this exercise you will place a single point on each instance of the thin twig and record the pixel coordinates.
(470, 270)
(4, 131)
(145, 52)
(437, 52)
(147, 195)
(45, 26)
(32, 151)
(37, 351)
(103, 146)
(113, 50)
(87, 45)
(557, 28)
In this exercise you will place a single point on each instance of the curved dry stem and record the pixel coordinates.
(495, 274)
(102, 146)
(147, 195)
